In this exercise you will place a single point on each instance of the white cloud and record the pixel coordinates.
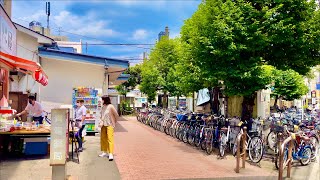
(154, 4)
(140, 34)
(85, 25)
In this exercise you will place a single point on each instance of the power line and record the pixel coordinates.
(113, 44)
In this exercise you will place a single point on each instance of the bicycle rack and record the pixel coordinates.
(282, 165)
(242, 154)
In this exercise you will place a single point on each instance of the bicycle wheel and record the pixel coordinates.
(222, 143)
(235, 146)
(306, 156)
(197, 141)
(255, 149)
(285, 157)
(191, 139)
(203, 144)
(209, 143)
(314, 147)
(272, 140)
(185, 136)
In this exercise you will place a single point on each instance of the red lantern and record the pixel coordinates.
(40, 77)
(37, 75)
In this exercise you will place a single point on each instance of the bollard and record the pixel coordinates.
(291, 146)
(241, 141)
(238, 153)
(244, 147)
(280, 156)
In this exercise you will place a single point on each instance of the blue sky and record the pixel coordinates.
(109, 21)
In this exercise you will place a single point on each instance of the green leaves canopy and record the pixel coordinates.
(133, 81)
(289, 85)
(233, 40)
(158, 73)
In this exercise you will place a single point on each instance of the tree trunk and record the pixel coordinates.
(211, 99)
(275, 105)
(214, 100)
(193, 108)
(165, 100)
(216, 103)
(177, 103)
(247, 107)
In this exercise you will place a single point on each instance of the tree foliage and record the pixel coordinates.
(133, 81)
(158, 73)
(235, 41)
(288, 85)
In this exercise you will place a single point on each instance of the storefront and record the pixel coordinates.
(11, 130)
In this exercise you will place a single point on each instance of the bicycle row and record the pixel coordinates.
(208, 132)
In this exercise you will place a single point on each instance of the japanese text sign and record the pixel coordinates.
(59, 121)
(8, 41)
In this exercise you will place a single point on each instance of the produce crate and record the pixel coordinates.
(36, 148)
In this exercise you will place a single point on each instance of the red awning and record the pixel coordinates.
(25, 66)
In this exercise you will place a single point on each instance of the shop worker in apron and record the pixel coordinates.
(35, 109)
(80, 116)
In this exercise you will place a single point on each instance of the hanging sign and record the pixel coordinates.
(8, 41)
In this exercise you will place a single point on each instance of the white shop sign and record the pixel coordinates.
(8, 33)
(59, 137)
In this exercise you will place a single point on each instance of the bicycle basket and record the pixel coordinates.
(278, 128)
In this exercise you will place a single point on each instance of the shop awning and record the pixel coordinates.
(26, 66)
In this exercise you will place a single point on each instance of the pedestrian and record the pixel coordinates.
(107, 123)
(80, 116)
(34, 109)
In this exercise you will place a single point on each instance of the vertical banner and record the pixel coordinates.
(8, 41)
(59, 134)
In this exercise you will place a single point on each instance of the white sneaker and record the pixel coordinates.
(103, 155)
(110, 157)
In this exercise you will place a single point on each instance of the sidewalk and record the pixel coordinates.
(143, 153)
(91, 166)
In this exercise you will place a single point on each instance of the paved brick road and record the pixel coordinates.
(143, 153)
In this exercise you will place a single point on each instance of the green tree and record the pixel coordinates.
(288, 85)
(150, 80)
(233, 40)
(158, 72)
(133, 81)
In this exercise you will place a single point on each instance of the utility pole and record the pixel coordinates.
(48, 13)
(59, 31)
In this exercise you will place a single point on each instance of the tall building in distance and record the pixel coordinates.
(163, 33)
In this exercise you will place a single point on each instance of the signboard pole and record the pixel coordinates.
(59, 144)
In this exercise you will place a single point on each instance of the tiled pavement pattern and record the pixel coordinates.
(143, 153)
(91, 166)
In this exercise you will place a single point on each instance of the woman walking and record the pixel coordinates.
(107, 123)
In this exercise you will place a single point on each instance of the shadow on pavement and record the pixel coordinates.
(120, 128)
